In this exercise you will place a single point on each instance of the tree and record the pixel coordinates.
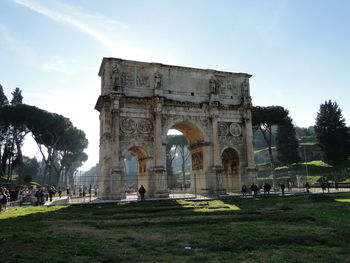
(3, 98)
(263, 118)
(3, 136)
(71, 163)
(177, 145)
(171, 149)
(17, 97)
(12, 140)
(90, 177)
(332, 134)
(18, 134)
(287, 143)
(54, 134)
(30, 169)
(301, 132)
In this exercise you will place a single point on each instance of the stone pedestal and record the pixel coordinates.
(160, 185)
(117, 184)
(218, 188)
(250, 177)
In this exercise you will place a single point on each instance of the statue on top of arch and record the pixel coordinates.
(246, 99)
(112, 77)
(213, 85)
(157, 80)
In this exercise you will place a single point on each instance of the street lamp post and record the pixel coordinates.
(306, 168)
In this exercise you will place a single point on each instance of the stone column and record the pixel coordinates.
(216, 159)
(247, 117)
(105, 181)
(118, 176)
(159, 172)
(158, 159)
(215, 132)
(249, 139)
(251, 169)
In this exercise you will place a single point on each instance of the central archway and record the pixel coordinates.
(142, 166)
(194, 177)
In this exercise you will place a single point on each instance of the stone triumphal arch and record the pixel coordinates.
(140, 102)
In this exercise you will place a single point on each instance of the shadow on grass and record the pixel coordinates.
(161, 229)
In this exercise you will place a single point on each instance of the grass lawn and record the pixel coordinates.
(276, 229)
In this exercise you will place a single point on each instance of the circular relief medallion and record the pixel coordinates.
(223, 129)
(128, 125)
(235, 129)
(144, 126)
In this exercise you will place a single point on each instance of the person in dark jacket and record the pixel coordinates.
(282, 188)
(254, 189)
(244, 190)
(142, 192)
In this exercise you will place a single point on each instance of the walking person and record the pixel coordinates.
(51, 193)
(142, 192)
(307, 186)
(3, 200)
(244, 190)
(328, 185)
(282, 188)
(336, 185)
(254, 189)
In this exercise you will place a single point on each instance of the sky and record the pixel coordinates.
(298, 51)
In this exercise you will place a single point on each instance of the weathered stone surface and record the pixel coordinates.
(140, 102)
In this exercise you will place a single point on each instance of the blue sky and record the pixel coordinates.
(298, 51)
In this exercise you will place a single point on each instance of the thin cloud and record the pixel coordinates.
(67, 19)
(64, 66)
(17, 48)
(91, 24)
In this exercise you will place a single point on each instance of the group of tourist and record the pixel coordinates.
(327, 185)
(267, 189)
(31, 195)
(4, 198)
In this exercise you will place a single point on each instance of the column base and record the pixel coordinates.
(161, 194)
(117, 196)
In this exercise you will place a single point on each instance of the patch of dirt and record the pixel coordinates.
(277, 207)
(298, 240)
(343, 234)
(289, 217)
(169, 208)
(184, 214)
(292, 217)
(320, 198)
(78, 230)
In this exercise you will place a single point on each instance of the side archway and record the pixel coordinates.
(231, 170)
(142, 165)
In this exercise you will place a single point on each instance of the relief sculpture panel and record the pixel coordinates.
(235, 129)
(144, 126)
(223, 129)
(142, 79)
(197, 161)
(127, 125)
(136, 125)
